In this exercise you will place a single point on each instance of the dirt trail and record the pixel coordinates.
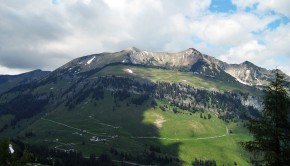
(81, 130)
(181, 139)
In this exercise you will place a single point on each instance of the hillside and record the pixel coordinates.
(10, 81)
(138, 106)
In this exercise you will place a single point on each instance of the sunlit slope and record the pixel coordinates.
(159, 74)
(132, 129)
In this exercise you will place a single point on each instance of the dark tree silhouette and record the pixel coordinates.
(4, 152)
(271, 130)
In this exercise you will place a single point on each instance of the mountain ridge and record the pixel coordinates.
(189, 60)
(9, 81)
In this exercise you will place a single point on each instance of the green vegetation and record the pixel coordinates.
(14, 158)
(133, 119)
(183, 135)
(158, 74)
(271, 131)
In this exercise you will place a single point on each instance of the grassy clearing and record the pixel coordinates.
(225, 149)
(185, 125)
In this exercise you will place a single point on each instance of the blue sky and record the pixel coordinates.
(226, 6)
(222, 6)
(46, 34)
(55, 2)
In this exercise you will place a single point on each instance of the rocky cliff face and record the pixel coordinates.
(170, 60)
(250, 74)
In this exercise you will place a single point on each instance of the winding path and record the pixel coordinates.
(142, 137)
(81, 130)
(154, 137)
(181, 139)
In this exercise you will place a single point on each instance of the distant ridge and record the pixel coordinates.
(9, 81)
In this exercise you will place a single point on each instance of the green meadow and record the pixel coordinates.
(132, 128)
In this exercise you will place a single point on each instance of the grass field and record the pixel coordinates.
(182, 135)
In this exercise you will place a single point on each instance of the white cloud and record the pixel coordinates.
(278, 40)
(285, 68)
(229, 30)
(268, 54)
(4, 70)
(250, 51)
(264, 6)
(54, 32)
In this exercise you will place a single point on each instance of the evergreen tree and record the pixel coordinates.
(4, 152)
(271, 130)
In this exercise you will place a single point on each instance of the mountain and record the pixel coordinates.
(139, 106)
(7, 82)
(250, 74)
(189, 60)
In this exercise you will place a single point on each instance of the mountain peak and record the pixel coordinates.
(194, 50)
(133, 49)
(246, 62)
(191, 51)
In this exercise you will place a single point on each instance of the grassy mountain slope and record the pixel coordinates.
(82, 111)
(159, 74)
(183, 135)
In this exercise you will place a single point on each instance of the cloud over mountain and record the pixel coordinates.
(46, 34)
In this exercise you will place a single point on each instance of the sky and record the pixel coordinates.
(46, 34)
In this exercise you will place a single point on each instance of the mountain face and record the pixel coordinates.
(138, 106)
(189, 60)
(9, 81)
(182, 61)
(250, 74)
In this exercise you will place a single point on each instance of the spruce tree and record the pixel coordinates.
(4, 151)
(271, 130)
